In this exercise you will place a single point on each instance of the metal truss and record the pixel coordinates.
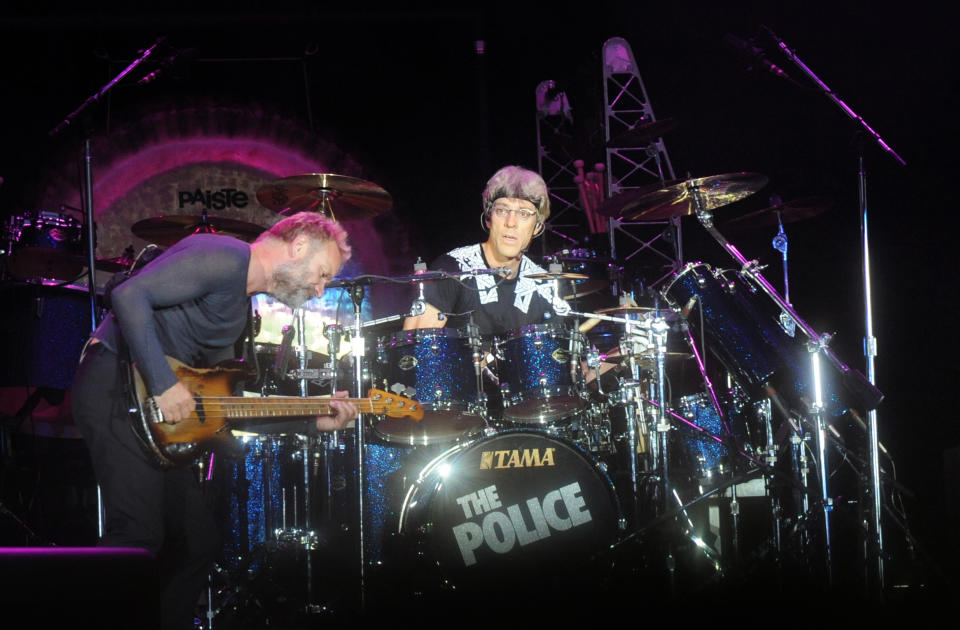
(633, 165)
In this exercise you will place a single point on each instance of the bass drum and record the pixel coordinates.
(509, 511)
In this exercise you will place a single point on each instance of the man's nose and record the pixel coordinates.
(511, 218)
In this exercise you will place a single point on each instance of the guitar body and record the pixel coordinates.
(206, 428)
(218, 412)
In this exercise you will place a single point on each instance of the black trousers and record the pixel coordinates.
(163, 511)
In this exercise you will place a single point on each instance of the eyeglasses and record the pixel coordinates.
(523, 214)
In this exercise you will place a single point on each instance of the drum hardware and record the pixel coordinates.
(169, 229)
(339, 197)
(701, 194)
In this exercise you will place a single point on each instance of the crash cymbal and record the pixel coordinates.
(643, 133)
(625, 204)
(787, 212)
(167, 230)
(677, 199)
(556, 275)
(343, 198)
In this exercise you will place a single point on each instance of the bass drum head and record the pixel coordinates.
(514, 510)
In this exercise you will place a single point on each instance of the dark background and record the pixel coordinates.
(405, 94)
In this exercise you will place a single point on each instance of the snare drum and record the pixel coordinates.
(45, 245)
(513, 510)
(540, 375)
(435, 367)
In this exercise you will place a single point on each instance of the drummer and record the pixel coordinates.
(516, 205)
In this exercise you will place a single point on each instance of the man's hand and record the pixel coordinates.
(344, 412)
(176, 404)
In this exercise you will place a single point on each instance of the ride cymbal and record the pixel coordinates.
(167, 230)
(344, 198)
(786, 212)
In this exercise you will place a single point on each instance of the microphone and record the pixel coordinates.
(492, 271)
(755, 52)
(166, 65)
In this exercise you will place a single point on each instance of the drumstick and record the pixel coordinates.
(588, 324)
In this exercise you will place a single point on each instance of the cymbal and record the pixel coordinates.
(677, 199)
(643, 133)
(582, 289)
(167, 230)
(623, 311)
(556, 275)
(623, 203)
(788, 212)
(646, 356)
(345, 198)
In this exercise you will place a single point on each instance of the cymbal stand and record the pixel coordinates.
(358, 351)
(865, 131)
(816, 410)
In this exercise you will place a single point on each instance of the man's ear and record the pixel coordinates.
(299, 247)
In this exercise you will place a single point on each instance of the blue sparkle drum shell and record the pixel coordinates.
(540, 376)
(435, 367)
(262, 498)
(515, 509)
(742, 328)
(704, 456)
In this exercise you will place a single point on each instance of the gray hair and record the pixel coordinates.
(517, 182)
(318, 228)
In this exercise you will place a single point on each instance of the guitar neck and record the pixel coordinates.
(283, 406)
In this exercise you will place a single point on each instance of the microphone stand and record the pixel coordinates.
(87, 193)
(869, 341)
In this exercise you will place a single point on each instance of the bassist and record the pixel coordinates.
(190, 303)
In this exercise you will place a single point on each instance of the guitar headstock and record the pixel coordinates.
(395, 406)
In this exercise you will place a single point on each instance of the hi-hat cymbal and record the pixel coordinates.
(643, 133)
(344, 198)
(786, 212)
(623, 311)
(679, 199)
(645, 357)
(167, 230)
(585, 288)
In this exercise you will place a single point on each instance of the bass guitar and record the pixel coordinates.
(218, 412)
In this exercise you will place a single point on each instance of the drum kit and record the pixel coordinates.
(540, 458)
